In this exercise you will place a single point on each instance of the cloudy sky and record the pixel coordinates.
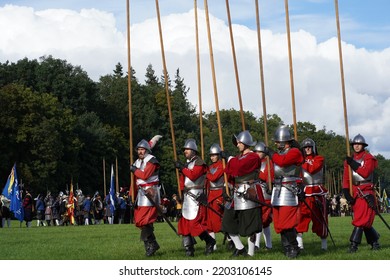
(92, 34)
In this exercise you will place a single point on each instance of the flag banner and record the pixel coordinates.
(112, 188)
(70, 205)
(11, 182)
(12, 192)
(384, 199)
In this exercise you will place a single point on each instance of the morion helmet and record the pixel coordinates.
(283, 134)
(143, 144)
(260, 147)
(308, 142)
(190, 144)
(244, 137)
(215, 149)
(359, 139)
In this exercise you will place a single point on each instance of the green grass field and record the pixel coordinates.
(121, 242)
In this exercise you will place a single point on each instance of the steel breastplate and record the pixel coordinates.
(357, 179)
(190, 206)
(199, 182)
(282, 195)
(240, 202)
(313, 179)
(142, 199)
(216, 185)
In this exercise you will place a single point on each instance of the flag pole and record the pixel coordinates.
(116, 175)
(167, 96)
(263, 91)
(215, 90)
(129, 74)
(104, 177)
(235, 65)
(199, 80)
(343, 91)
(291, 69)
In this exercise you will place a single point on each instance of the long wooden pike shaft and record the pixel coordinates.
(263, 91)
(199, 80)
(235, 65)
(129, 98)
(343, 90)
(215, 88)
(291, 69)
(167, 94)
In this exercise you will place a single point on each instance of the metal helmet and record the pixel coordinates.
(143, 144)
(244, 137)
(260, 147)
(190, 144)
(359, 139)
(308, 142)
(283, 134)
(215, 149)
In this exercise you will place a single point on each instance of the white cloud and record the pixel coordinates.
(90, 39)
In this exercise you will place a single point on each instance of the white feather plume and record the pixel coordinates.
(154, 141)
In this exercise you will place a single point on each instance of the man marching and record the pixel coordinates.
(192, 182)
(284, 199)
(146, 174)
(261, 150)
(214, 186)
(314, 209)
(362, 199)
(243, 173)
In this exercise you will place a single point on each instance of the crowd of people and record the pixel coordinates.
(241, 196)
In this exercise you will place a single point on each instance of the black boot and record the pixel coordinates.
(372, 237)
(210, 242)
(355, 239)
(290, 243)
(188, 243)
(151, 246)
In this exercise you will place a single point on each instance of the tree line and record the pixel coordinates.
(59, 125)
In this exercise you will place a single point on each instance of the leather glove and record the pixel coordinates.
(348, 197)
(133, 168)
(268, 191)
(269, 152)
(301, 194)
(225, 155)
(202, 199)
(226, 197)
(371, 201)
(179, 165)
(351, 162)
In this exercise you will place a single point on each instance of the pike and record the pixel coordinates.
(373, 208)
(159, 210)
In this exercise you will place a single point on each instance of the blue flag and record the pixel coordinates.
(112, 188)
(12, 192)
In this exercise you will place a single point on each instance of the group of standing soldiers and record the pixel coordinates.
(242, 195)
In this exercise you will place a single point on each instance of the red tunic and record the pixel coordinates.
(363, 215)
(214, 197)
(144, 215)
(198, 225)
(315, 198)
(286, 217)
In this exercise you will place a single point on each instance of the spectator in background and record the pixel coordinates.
(28, 207)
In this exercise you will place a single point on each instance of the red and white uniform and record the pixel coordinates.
(286, 217)
(362, 178)
(192, 177)
(214, 186)
(312, 176)
(146, 177)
